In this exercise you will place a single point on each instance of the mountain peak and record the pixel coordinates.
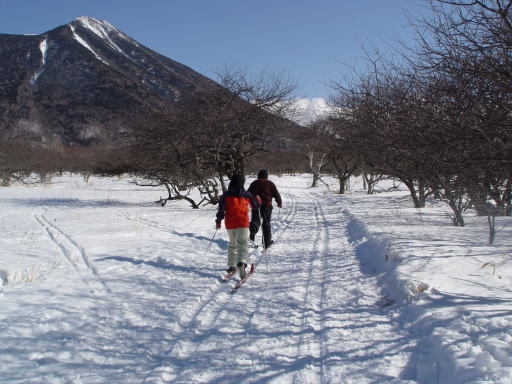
(93, 24)
(101, 28)
(80, 83)
(85, 26)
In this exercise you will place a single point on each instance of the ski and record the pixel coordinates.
(242, 282)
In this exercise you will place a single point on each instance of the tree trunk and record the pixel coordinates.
(342, 182)
(492, 229)
(414, 195)
(458, 219)
(315, 180)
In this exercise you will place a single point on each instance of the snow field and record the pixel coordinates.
(100, 285)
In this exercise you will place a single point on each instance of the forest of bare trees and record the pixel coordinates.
(207, 141)
(438, 117)
(435, 116)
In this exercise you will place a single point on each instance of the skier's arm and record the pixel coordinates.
(277, 196)
(255, 204)
(222, 209)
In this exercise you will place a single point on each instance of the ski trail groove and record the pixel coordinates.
(57, 240)
(309, 344)
(72, 250)
(284, 222)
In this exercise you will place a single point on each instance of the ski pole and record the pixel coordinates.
(209, 245)
(278, 219)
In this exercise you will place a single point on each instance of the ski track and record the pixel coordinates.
(303, 344)
(309, 344)
(74, 253)
(287, 324)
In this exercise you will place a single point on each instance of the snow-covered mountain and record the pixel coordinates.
(84, 81)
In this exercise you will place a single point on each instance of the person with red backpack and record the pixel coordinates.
(265, 190)
(234, 210)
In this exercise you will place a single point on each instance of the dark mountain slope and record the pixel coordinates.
(87, 82)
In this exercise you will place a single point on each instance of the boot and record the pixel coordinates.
(241, 270)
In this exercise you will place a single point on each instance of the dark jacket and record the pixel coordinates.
(266, 190)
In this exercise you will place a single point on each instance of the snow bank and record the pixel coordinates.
(449, 288)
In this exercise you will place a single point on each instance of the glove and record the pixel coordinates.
(279, 205)
(217, 224)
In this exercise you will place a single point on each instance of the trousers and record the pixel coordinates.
(237, 250)
(265, 213)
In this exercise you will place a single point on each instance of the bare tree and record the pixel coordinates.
(339, 142)
(210, 138)
(383, 108)
(469, 47)
(255, 110)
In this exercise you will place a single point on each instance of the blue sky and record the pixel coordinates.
(311, 42)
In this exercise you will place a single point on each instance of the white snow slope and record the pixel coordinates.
(102, 286)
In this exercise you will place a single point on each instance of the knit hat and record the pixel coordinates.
(236, 183)
(262, 174)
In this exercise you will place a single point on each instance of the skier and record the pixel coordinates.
(265, 190)
(234, 209)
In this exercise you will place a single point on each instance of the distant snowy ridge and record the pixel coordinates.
(308, 110)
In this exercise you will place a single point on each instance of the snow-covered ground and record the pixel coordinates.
(102, 286)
